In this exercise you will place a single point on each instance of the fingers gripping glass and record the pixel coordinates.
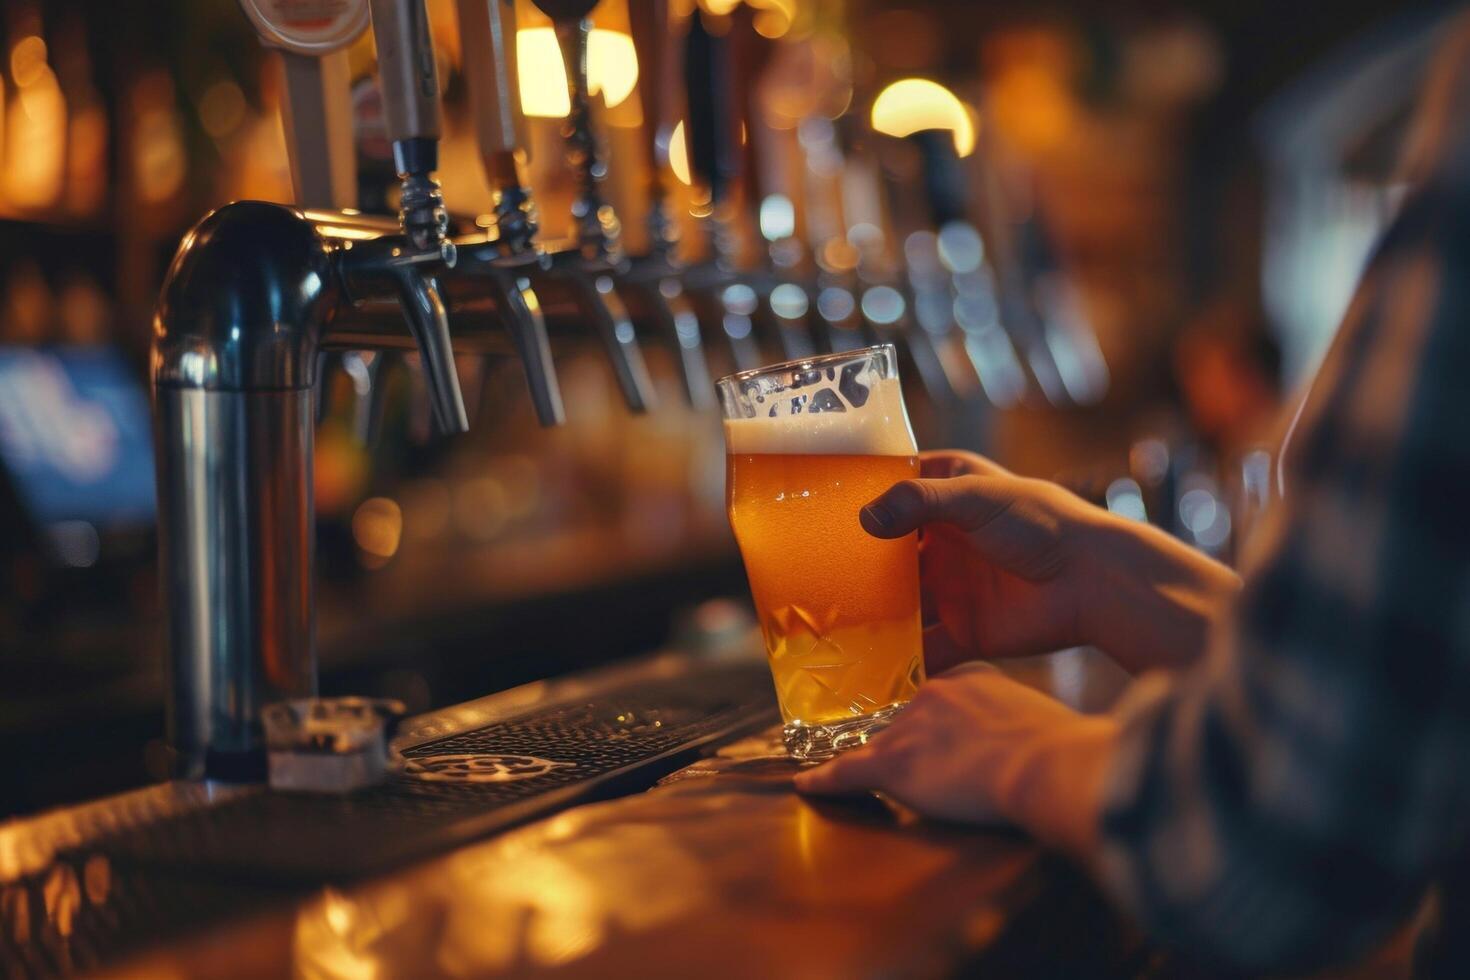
(808, 444)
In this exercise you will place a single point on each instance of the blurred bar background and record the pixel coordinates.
(1109, 241)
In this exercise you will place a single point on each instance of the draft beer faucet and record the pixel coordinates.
(587, 266)
(712, 138)
(653, 280)
(508, 261)
(410, 84)
(316, 117)
(316, 112)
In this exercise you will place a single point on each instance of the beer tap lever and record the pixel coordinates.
(597, 230)
(597, 243)
(487, 35)
(487, 31)
(411, 109)
(654, 275)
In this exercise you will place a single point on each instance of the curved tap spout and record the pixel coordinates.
(527, 328)
(423, 307)
(240, 284)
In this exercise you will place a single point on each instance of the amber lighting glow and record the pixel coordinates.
(679, 154)
(377, 527)
(35, 134)
(612, 70)
(912, 105)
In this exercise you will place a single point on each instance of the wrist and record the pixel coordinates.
(1056, 789)
(1146, 598)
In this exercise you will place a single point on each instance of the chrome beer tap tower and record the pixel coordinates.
(254, 295)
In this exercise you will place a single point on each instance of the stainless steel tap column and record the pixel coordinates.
(234, 365)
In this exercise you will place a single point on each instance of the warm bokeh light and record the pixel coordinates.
(377, 527)
(160, 158)
(222, 108)
(773, 18)
(612, 70)
(28, 61)
(679, 154)
(912, 105)
(35, 133)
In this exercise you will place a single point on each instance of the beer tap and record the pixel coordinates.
(653, 278)
(316, 112)
(834, 278)
(316, 117)
(487, 37)
(587, 267)
(712, 138)
(410, 263)
(254, 294)
(951, 276)
(886, 308)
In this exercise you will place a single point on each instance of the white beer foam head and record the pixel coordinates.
(878, 427)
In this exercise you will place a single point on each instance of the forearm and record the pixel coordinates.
(1148, 599)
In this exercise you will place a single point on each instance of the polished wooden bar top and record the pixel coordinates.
(721, 870)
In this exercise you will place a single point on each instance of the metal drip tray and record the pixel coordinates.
(456, 787)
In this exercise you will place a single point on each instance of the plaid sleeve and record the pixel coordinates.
(1290, 798)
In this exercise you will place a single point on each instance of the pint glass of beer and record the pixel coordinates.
(808, 443)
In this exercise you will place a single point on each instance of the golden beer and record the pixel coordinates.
(838, 608)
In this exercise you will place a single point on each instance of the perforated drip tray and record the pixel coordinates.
(618, 738)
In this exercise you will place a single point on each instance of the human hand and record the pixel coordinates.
(977, 747)
(996, 557)
(1011, 566)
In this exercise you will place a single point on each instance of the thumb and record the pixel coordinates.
(968, 502)
(854, 771)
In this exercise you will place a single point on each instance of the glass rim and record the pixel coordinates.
(807, 362)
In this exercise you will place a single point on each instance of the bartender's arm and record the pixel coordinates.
(1288, 797)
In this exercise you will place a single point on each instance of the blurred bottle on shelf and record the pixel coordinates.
(34, 167)
(157, 156)
(85, 180)
(28, 311)
(83, 311)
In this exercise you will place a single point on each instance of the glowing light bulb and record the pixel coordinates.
(612, 70)
(912, 105)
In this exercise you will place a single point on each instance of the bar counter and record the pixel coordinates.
(721, 872)
(721, 869)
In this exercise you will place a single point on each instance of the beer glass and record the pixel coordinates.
(807, 444)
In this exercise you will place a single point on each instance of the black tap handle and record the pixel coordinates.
(943, 177)
(713, 132)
